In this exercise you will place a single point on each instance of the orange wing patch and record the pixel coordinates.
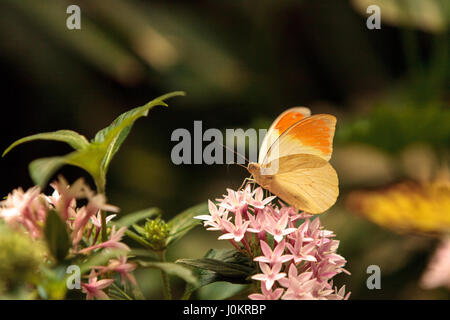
(282, 123)
(314, 133)
(288, 119)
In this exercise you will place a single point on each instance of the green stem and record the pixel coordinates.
(104, 235)
(187, 293)
(122, 292)
(165, 278)
(138, 239)
(100, 184)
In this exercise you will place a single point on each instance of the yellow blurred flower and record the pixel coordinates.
(407, 207)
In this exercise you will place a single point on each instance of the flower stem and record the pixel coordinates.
(187, 293)
(165, 278)
(234, 243)
(247, 247)
(100, 184)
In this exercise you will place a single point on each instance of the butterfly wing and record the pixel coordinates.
(280, 125)
(312, 135)
(305, 181)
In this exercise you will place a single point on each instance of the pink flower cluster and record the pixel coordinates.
(27, 211)
(296, 256)
(94, 288)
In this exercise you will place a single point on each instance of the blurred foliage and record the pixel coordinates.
(20, 259)
(241, 64)
(393, 129)
(431, 15)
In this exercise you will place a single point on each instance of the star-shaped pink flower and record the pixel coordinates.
(267, 294)
(275, 256)
(302, 251)
(94, 289)
(256, 199)
(113, 242)
(235, 231)
(269, 275)
(278, 228)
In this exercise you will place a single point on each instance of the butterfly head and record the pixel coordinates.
(254, 168)
(256, 171)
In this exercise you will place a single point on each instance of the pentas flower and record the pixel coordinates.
(27, 211)
(112, 243)
(214, 219)
(298, 286)
(302, 250)
(94, 288)
(256, 223)
(97, 220)
(235, 201)
(256, 199)
(267, 294)
(65, 195)
(278, 228)
(339, 295)
(120, 266)
(269, 275)
(296, 256)
(234, 231)
(275, 256)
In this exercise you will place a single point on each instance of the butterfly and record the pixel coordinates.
(293, 160)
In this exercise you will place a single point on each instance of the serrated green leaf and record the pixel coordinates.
(172, 269)
(94, 157)
(135, 217)
(184, 222)
(72, 138)
(55, 231)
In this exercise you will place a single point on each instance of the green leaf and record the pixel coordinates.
(56, 235)
(138, 238)
(143, 253)
(135, 217)
(114, 135)
(220, 265)
(72, 138)
(94, 157)
(117, 293)
(184, 222)
(42, 169)
(232, 264)
(221, 290)
(172, 269)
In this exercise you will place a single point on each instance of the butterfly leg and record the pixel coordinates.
(245, 182)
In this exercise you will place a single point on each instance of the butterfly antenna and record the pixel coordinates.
(237, 153)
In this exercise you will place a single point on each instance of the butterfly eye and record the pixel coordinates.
(253, 168)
